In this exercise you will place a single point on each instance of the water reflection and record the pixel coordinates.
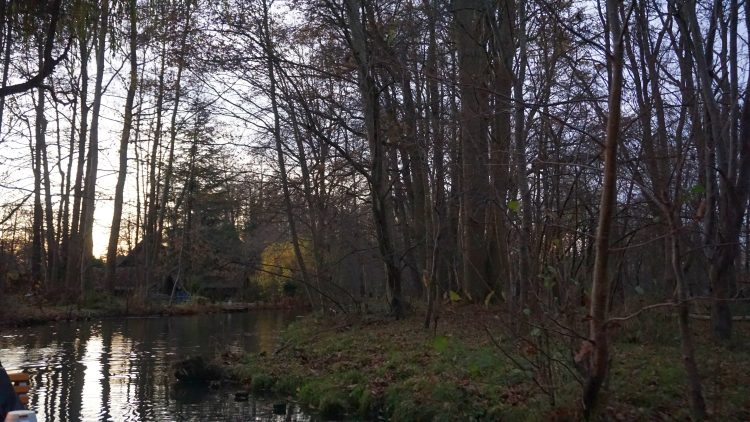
(119, 369)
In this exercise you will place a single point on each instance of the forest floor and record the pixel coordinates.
(21, 311)
(470, 369)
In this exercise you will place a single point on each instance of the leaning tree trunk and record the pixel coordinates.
(271, 63)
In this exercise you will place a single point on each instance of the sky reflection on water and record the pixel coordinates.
(119, 369)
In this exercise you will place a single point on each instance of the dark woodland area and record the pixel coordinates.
(489, 210)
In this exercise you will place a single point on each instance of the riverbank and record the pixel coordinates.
(470, 369)
(16, 311)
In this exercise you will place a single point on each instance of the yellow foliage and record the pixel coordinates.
(279, 265)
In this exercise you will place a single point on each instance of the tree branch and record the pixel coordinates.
(49, 63)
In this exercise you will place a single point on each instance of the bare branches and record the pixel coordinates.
(49, 62)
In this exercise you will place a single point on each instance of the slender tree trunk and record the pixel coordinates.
(37, 223)
(186, 245)
(454, 227)
(525, 288)
(695, 395)
(89, 190)
(312, 203)
(379, 181)
(49, 218)
(64, 211)
(732, 194)
(437, 267)
(599, 361)
(173, 127)
(152, 248)
(271, 63)
(417, 156)
(73, 253)
(8, 40)
(114, 235)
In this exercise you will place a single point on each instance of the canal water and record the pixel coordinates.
(120, 369)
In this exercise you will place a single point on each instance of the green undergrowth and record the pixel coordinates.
(358, 369)
(393, 368)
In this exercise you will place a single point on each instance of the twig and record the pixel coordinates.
(670, 305)
(515, 362)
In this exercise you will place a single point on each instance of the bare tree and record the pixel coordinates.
(600, 289)
(114, 235)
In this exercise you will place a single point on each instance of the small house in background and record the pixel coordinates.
(131, 272)
(12, 273)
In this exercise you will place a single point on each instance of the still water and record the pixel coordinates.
(120, 369)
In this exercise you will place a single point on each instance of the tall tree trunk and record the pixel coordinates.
(417, 155)
(599, 360)
(695, 390)
(504, 49)
(525, 285)
(37, 223)
(114, 235)
(271, 63)
(89, 191)
(151, 247)
(313, 201)
(471, 33)
(173, 129)
(379, 181)
(8, 42)
(437, 258)
(733, 191)
(49, 219)
(73, 254)
(65, 188)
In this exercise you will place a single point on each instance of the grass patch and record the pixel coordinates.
(262, 383)
(361, 369)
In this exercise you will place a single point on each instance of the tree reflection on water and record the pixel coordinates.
(119, 369)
